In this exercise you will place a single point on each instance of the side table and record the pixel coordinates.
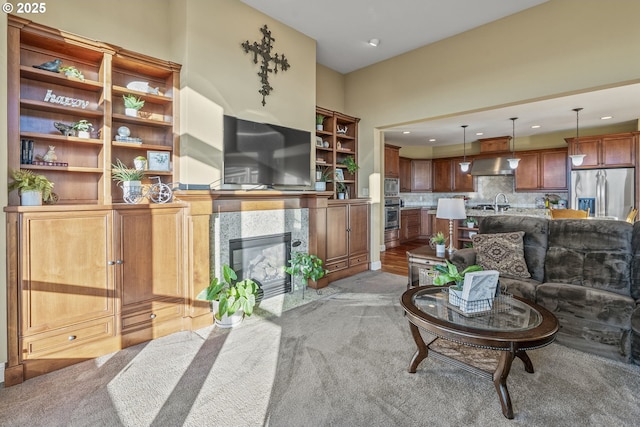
(421, 262)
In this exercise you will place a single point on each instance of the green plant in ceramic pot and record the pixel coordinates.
(234, 298)
(341, 189)
(132, 104)
(449, 273)
(83, 127)
(351, 164)
(306, 266)
(32, 187)
(319, 121)
(438, 241)
(72, 71)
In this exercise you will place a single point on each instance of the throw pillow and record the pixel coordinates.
(503, 252)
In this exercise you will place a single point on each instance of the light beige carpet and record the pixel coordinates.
(340, 360)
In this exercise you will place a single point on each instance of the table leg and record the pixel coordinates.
(500, 382)
(528, 366)
(422, 351)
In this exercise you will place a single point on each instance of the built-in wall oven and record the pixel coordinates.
(391, 213)
(391, 187)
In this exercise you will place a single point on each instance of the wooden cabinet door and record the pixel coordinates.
(337, 234)
(462, 181)
(528, 172)
(358, 229)
(425, 223)
(553, 170)
(590, 147)
(404, 226)
(421, 175)
(618, 151)
(441, 175)
(65, 274)
(405, 175)
(391, 161)
(150, 243)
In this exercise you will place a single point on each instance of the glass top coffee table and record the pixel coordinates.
(483, 344)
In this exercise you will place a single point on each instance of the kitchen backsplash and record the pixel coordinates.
(488, 187)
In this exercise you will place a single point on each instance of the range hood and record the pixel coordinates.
(491, 166)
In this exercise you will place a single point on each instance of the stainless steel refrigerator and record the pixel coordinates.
(607, 193)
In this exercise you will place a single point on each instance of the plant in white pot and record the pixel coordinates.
(83, 128)
(322, 176)
(438, 241)
(307, 267)
(230, 299)
(129, 179)
(471, 222)
(449, 274)
(72, 71)
(341, 189)
(33, 188)
(140, 163)
(132, 104)
(319, 122)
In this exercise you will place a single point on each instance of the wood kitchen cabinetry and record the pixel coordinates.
(604, 151)
(447, 176)
(409, 224)
(542, 170)
(421, 175)
(391, 161)
(347, 248)
(405, 175)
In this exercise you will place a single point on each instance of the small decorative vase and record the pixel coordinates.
(471, 224)
(139, 164)
(84, 134)
(131, 189)
(321, 186)
(131, 112)
(319, 127)
(341, 196)
(440, 249)
(31, 198)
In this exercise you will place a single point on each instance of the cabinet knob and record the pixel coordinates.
(111, 263)
(119, 262)
(152, 316)
(72, 337)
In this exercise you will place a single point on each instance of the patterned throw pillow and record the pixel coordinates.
(503, 252)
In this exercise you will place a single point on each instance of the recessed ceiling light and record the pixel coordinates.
(432, 140)
(406, 132)
(606, 117)
(535, 126)
(479, 133)
(374, 42)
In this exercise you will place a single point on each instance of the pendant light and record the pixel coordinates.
(513, 162)
(464, 165)
(577, 159)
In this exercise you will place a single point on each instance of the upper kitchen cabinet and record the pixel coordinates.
(391, 161)
(405, 175)
(542, 170)
(421, 175)
(447, 176)
(605, 151)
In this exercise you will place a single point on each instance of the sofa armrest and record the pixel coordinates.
(463, 258)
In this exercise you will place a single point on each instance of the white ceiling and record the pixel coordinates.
(342, 28)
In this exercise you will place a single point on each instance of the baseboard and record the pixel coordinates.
(376, 265)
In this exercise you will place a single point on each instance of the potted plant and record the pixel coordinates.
(230, 299)
(140, 163)
(307, 267)
(439, 241)
(471, 222)
(449, 274)
(132, 104)
(322, 176)
(72, 71)
(319, 121)
(129, 179)
(83, 128)
(341, 189)
(33, 188)
(351, 165)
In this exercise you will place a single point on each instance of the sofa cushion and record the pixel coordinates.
(635, 264)
(592, 253)
(535, 239)
(503, 252)
(525, 288)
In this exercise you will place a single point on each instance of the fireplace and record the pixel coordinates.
(262, 259)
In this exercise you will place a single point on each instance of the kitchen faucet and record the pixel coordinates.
(495, 205)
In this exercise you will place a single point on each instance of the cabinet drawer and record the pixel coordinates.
(359, 259)
(67, 339)
(151, 313)
(335, 266)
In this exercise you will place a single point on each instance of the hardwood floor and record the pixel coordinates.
(394, 260)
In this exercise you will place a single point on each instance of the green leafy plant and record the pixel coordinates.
(140, 158)
(83, 126)
(306, 266)
(319, 119)
(325, 174)
(27, 180)
(351, 164)
(121, 173)
(471, 220)
(131, 101)
(341, 187)
(450, 273)
(72, 71)
(232, 295)
(438, 238)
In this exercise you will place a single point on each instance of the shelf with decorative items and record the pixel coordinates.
(466, 229)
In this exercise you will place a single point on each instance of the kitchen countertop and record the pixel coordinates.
(480, 213)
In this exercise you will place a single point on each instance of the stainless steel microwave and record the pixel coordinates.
(391, 187)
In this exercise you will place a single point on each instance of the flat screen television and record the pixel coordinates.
(265, 154)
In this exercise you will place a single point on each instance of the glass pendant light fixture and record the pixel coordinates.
(513, 162)
(464, 165)
(577, 159)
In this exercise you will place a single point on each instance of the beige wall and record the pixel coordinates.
(329, 89)
(559, 47)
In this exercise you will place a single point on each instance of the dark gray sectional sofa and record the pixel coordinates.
(587, 272)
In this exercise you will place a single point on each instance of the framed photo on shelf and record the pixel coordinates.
(339, 175)
(158, 160)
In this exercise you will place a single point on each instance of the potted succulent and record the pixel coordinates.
(307, 267)
(471, 222)
(72, 71)
(351, 165)
(322, 176)
(132, 104)
(449, 274)
(129, 179)
(140, 163)
(319, 121)
(83, 128)
(439, 241)
(230, 299)
(33, 188)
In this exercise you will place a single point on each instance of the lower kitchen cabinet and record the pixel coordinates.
(82, 280)
(347, 249)
(409, 225)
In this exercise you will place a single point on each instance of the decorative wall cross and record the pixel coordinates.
(264, 50)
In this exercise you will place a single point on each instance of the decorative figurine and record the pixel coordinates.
(50, 156)
(53, 66)
(66, 130)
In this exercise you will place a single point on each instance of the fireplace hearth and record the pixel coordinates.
(262, 259)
